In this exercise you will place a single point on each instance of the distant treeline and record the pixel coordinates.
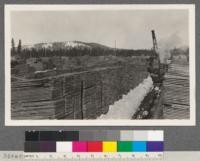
(45, 52)
(180, 51)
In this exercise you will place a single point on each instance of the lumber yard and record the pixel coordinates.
(98, 82)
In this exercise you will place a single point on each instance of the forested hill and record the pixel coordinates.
(65, 45)
(73, 48)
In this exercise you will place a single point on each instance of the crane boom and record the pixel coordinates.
(155, 45)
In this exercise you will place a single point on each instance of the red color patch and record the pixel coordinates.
(95, 146)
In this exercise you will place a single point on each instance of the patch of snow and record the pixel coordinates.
(27, 46)
(74, 44)
(47, 45)
(67, 44)
(42, 71)
(127, 106)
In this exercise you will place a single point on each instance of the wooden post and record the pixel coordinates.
(82, 115)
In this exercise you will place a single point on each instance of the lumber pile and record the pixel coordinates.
(32, 99)
(80, 95)
(176, 91)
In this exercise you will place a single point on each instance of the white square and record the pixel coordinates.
(63, 146)
(156, 135)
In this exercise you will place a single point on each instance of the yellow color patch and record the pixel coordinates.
(109, 146)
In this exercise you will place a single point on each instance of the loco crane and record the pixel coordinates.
(154, 61)
(148, 106)
(155, 45)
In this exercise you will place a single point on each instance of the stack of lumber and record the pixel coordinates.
(32, 100)
(176, 92)
(79, 95)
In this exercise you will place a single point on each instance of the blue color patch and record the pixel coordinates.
(139, 146)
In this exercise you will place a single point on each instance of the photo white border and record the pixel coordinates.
(156, 122)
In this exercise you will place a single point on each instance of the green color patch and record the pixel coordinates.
(124, 146)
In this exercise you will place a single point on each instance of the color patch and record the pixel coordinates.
(63, 146)
(139, 146)
(79, 146)
(126, 135)
(124, 146)
(52, 136)
(94, 146)
(99, 135)
(47, 146)
(47, 135)
(71, 135)
(58, 135)
(32, 135)
(110, 146)
(112, 135)
(86, 135)
(155, 136)
(155, 146)
(32, 146)
(140, 135)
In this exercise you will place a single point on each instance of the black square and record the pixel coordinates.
(32, 136)
(47, 136)
(71, 136)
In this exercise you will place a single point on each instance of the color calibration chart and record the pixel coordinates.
(94, 145)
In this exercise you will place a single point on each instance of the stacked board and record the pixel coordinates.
(78, 95)
(176, 92)
(32, 98)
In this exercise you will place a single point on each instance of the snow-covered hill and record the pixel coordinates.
(64, 45)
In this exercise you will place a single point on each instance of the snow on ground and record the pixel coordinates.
(66, 44)
(27, 46)
(74, 44)
(127, 106)
(47, 45)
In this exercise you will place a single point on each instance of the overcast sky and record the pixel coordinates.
(130, 29)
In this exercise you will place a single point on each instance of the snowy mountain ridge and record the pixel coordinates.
(63, 45)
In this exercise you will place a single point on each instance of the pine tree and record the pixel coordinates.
(12, 44)
(19, 48)
(12, 47)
